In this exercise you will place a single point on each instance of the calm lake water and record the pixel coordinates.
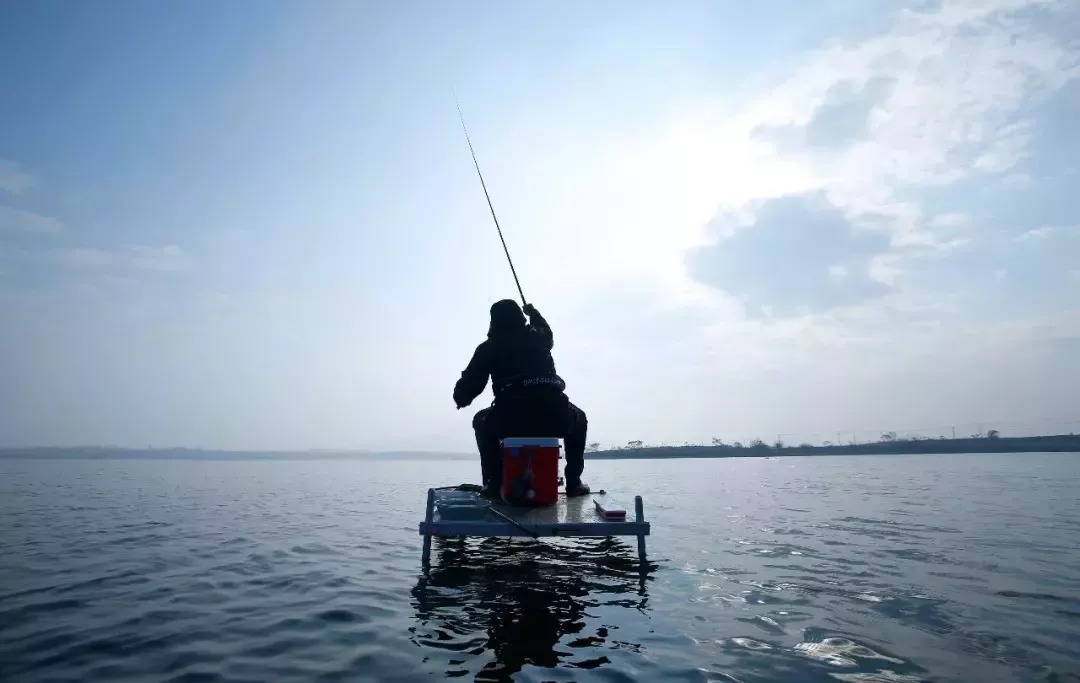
(898, 568)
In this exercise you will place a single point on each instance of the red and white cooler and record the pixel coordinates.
(530, 471)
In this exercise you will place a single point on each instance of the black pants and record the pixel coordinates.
(541, 414)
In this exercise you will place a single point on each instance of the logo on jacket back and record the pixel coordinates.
(544, 381)
(549, 381)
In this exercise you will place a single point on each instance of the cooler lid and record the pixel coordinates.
(546, 442)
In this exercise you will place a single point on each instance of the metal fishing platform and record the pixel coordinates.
(453, 512)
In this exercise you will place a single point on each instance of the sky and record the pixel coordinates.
(256, 224)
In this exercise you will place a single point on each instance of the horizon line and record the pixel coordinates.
(638, 445)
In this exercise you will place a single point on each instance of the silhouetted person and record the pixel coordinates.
(530, 398)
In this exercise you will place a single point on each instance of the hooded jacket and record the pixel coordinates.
(516, 356)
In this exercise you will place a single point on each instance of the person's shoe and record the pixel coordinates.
(577, 488)
(491, 492)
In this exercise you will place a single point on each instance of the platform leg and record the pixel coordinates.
(425, 559)
(639, 514)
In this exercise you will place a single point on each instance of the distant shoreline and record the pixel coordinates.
(1062, 443)
(118, 453)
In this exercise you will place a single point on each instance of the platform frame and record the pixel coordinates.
(527, 528)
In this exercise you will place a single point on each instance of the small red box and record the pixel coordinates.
(530, 471)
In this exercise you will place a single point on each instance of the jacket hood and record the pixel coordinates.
(506, 319)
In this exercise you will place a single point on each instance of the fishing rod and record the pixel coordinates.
(492, 208)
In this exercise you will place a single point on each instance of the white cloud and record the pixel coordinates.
(1005, 151)
(1020, 181)
(20, 220)
(1036, 234)
(156, 258)
(961, 76)
(946, 93)
(13, 179)
(168, 257)
(838, 273)
(1048, 231)
(86, 257)
(950, 220)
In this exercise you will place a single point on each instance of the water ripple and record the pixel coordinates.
(801, 569)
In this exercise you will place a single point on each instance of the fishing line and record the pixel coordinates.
(488, 197)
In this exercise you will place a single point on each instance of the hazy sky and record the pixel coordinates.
(255, 224)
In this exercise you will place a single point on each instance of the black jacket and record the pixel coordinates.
(516, 360)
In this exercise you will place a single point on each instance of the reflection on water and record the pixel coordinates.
(493, 606)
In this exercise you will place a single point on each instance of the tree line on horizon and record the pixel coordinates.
(991, 440)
